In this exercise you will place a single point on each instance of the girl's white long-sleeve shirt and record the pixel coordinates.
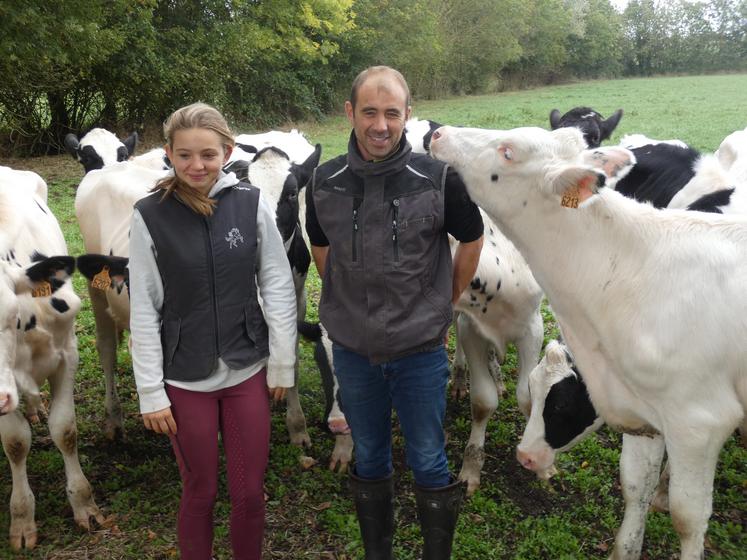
(276, 294)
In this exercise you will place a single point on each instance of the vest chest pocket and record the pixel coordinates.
(170, 329)
(410, 235)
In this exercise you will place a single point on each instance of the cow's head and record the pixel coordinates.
(280, 181)
(40, 279)
(514, 173)
(419, 132)
(100, 148)
(562, 413)
(591, 124)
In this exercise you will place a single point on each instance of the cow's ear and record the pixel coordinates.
(608, 126)
(575, 184)
(45, 276)
(104, 271)
(72, 144)
(554, 119)
(614, 162)
(130, 143)
(306, 169)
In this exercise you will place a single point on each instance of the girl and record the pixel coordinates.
(204, 352)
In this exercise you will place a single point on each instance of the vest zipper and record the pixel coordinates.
(395, 229)
(211, 281)
(356, 204)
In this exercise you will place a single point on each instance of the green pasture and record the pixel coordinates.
(309, 512)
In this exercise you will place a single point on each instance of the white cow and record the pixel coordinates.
(626, 281)
(103, 206)
(37, 344)
(500, 306)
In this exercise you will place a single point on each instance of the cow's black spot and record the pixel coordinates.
(497, 261)
(498, 286)
(711, 202)
(568, 411)
(475, 284)
(31, 323)
(494, 177)
(60, 305)
(18, 324)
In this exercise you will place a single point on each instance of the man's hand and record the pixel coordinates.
(160, 421)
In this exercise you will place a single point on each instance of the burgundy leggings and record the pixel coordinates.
(242, 414)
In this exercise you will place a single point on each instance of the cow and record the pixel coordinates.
(103, 206)
(37, 345)
(595, 128)
(501, 305)
(624, 280)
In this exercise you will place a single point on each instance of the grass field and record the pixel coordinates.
(309, 512)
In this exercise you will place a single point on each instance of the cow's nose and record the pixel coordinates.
(437, 134)
(525, 459)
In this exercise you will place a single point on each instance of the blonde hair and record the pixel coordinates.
(196, 115)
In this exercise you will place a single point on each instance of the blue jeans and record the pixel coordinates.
(416, 387)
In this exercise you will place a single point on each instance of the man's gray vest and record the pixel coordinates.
(386, 292)
(207, 265)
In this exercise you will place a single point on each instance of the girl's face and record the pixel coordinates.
(198, 154)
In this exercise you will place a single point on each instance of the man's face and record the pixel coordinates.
(379, 116)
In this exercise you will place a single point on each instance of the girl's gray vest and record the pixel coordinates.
(207, 265)
(386, 292)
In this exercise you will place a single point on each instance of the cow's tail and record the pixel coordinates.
(313, 333)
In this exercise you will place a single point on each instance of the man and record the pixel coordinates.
(378, 219)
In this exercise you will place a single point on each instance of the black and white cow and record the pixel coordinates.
(37, 345)
(627, 319)
(595, 128)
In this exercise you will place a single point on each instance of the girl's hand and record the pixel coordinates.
(160, 421)
(277, 394)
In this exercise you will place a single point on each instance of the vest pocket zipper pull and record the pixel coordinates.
(395, 228)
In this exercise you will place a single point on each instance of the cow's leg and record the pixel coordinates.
(483, 398)
(528, 348)
(64, 433)
(16, 436)
(459, 366)
(106, 344)
(660, 501)
(640, 462)
(692, 463)
(295, 420)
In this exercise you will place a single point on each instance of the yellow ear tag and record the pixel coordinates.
(42, 289)
(570, 198)
(102, 280)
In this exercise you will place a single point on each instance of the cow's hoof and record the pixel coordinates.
(23, 535)
(342, 454)
(84, 516)
(113, 431)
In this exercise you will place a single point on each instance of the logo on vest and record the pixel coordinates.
(233, 238)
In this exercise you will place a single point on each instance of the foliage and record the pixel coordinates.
(309, 512)
(74, 64)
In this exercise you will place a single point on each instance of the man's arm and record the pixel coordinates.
(319, 255)
(465, 260)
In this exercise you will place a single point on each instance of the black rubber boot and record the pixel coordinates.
(374, 504)
(438, 510)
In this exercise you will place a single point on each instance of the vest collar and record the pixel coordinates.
(396, 162)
